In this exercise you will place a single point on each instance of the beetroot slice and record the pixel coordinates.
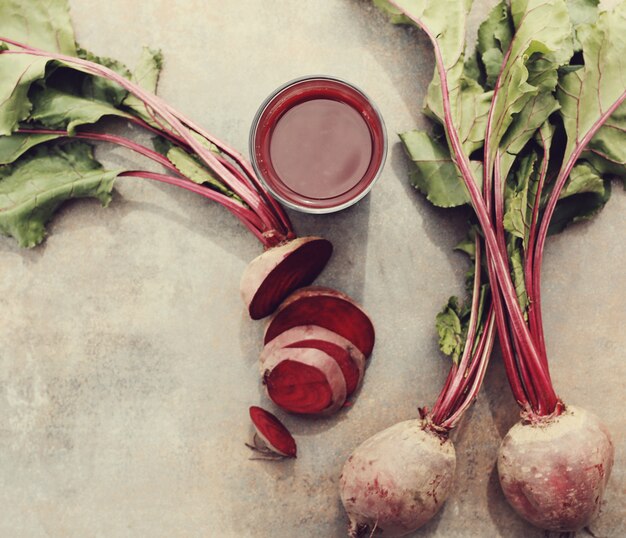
(273, 432)
(348, 357)
(273, 275)
(306, 381)
(349, 369)
(299, 388)
(327, 308)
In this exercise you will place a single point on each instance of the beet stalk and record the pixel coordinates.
(554, 465)
(287, 264)
(398, 479)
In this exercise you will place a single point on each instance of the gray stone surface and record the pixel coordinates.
(127, 362)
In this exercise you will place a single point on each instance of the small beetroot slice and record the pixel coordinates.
(273, 275)
(326, 308)
(272, 439)
(348, 357)
(305, 381)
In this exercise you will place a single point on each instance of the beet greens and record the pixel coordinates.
(520, 117)
(529, 131)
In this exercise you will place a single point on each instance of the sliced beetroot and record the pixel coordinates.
(273, 275)
(299, 388)
(304, 380)
(349, 369)
(348, 357)
(326, 308)
(274, 437)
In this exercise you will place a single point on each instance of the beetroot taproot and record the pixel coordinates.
(396, 480)
(554, 470)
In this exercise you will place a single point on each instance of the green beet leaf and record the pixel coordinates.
(55, 109)
(519, 198)
(17, 73)
(101, 89)
(450, 328)
(435, 173)
(14, 146)
(516, 262)
(541, 44)
(146, 74)
(524, 125)
(47, 26)
(69, 98)
(446, 21)
(587, 94)
(607, 149)
(33, 187)
(494, 37)
(585, 194)
(43, 25)
(582, 12)
(191, 168)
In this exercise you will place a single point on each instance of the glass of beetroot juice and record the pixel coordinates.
(318, 144)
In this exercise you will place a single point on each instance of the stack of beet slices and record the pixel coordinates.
(313, 361)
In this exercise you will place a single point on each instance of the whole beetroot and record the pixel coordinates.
(554, 471)
(397, 480)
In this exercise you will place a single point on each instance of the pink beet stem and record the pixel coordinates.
(247, 217)
(273, 219)
(502, 278)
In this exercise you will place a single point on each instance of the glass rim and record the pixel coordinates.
(290, 203)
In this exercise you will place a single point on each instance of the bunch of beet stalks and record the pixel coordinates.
(317, 342)
(554, 464)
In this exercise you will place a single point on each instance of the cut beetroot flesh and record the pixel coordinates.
(299, 388)
(327, 308)
(273, 432)
(304, 380)
(349, 369)
(273, 275)
(348, 357)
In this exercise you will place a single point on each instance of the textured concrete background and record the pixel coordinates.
(127, 362)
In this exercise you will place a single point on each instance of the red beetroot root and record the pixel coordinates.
(273, 275)
(305, 381)
(326, 308)
(397, 480)
(348, 357)
(274, 437)
(554, 472)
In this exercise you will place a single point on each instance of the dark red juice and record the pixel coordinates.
(321, 148)
(318, 144)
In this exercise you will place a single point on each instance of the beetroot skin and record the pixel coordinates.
(397, 480)
(273, 275)
(554, 472)
(272, 433)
